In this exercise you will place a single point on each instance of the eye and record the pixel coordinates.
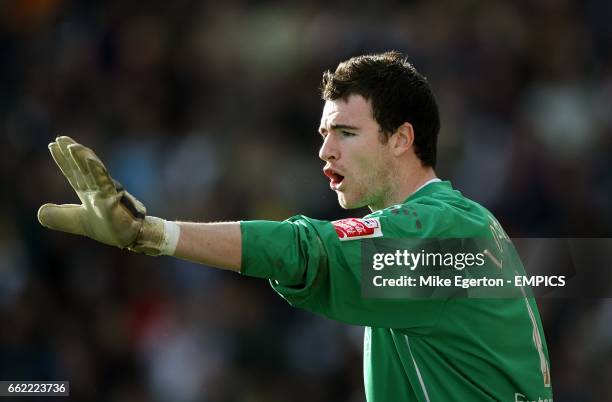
(347, 134)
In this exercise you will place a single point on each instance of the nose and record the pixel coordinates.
(329, 150)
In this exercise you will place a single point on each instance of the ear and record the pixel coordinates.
(402, 139)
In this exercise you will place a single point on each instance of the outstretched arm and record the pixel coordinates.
(296, 254)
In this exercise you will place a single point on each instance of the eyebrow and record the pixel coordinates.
(338, 127)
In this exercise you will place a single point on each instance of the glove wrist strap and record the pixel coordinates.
(157, 237)
(172, 232)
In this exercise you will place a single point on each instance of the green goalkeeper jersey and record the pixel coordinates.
(437, 349)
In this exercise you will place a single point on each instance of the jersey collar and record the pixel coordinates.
(434, 180)
(430, 187)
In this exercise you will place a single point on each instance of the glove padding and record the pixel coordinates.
(108, 213)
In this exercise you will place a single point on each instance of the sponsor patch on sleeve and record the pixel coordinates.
(357, 228)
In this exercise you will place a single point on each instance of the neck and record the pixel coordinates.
(403, 186)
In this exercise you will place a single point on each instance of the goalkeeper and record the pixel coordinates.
(379, 131)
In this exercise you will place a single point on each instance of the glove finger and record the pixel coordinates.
(64, 142)
(63, 165)
(65, 218)
(79, 154)
(100, 175)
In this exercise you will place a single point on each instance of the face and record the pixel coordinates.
(358, 164)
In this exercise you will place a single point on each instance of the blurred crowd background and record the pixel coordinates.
(208, 110)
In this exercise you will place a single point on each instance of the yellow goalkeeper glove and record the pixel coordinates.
(108, 213)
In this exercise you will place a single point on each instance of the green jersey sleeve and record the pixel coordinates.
(309, 265)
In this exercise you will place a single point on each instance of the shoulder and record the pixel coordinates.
(441, 211)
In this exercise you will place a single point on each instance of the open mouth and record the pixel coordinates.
(335, 179)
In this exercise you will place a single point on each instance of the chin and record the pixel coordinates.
(346, 203)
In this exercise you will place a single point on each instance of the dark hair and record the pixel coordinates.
(398, 94)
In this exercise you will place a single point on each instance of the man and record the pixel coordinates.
(379, 130)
